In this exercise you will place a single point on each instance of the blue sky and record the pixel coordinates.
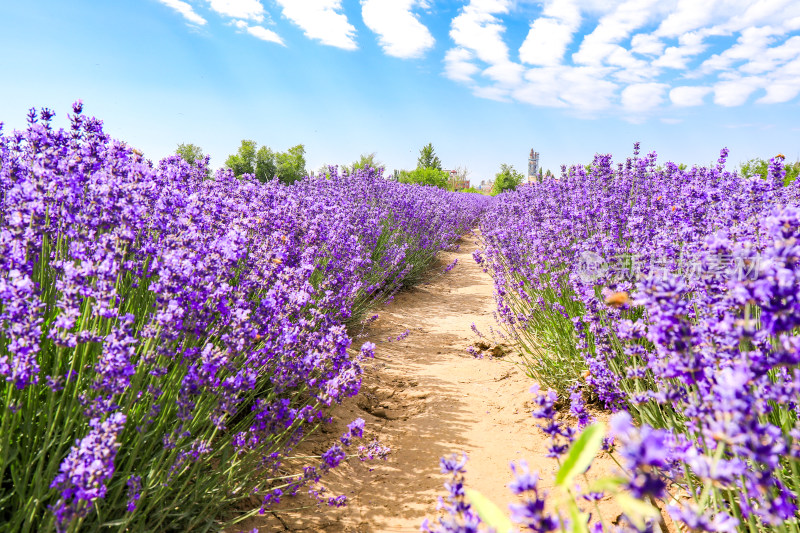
(483, 80)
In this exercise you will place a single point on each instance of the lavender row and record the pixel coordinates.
(672, 294)
(167, 339)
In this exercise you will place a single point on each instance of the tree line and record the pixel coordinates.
(290, 166)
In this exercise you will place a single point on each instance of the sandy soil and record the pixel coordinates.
(426, 397)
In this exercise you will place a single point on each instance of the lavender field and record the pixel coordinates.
(170, 337)
(391, 266)
(669, 297)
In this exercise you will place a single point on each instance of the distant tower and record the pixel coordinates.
(533, 167)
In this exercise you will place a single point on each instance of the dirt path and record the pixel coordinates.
(426, 397)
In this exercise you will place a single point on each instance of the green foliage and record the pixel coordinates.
(366, 160)
(792, 171)
(490, 513)
(760, 167)
(581, 454)
(244, 160)
(473, 190)
(580, 520)
(291, 164)
(266, 165)
(190, 152)
(507, 179)
(754, 167)
(426, 176)
(428, 158)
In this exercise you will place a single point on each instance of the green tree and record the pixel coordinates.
(507, 179)
(428, 158)
(244, 160)
(190, 152)
(291, 164)
(366, 160)
(426, 176)
(266, 167)
(792, 171)
(754, 167)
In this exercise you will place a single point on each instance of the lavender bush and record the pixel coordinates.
(167, 339)
(672, 294)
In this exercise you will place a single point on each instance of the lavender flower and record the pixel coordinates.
(451, 266)
(460, 517)
(134, 485)
(531, 513)
(83, 474)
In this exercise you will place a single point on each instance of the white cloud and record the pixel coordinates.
(630, 61)
(400, 32)
(477, 29)
(624, 62)
(620, 57)
(771, 58)
(791, 69)
(735, 92)
(459, 65)
(492, 93)
(598, 8)
(751, 44)
(505, 73)
(581, 88)
(780, 92)
(687, 96)
(240, 9)
(546, 42)
(689, 15)
(640, 97)
(541, 87)
(749, 14)
(614, 28)
(550, 34)
(783, 85)
(756, 51)
(186, 10)
(586, 89)
(677, 57)
(647, 44)
(264, 34)
(321, 20)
